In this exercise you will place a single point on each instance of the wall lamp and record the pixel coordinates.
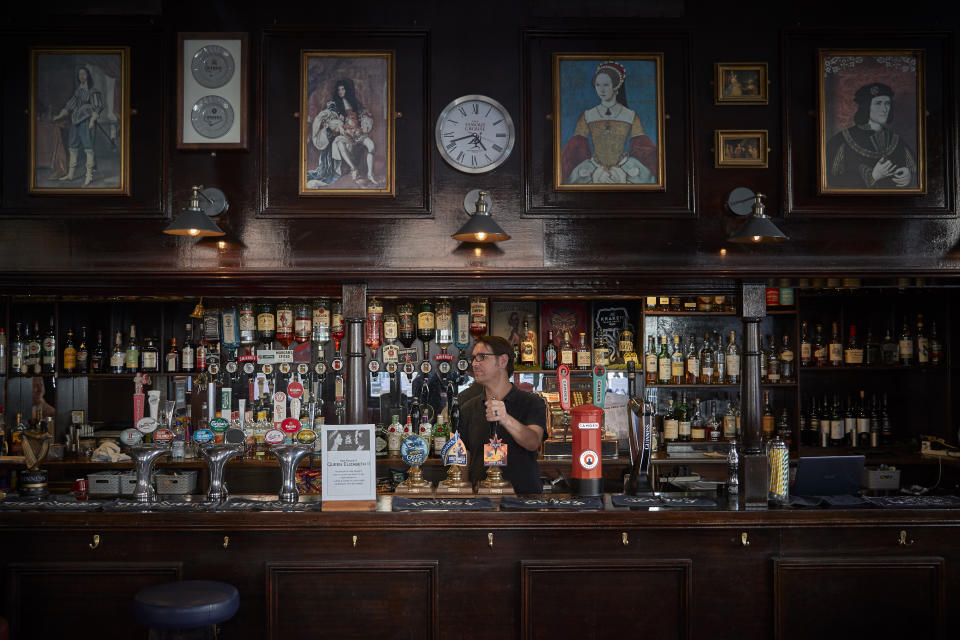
(196, 220)
(758, 227)
(481, 227)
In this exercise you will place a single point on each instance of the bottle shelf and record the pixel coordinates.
(774, 385)
(120, 376)
(932, 368)
(690, 313)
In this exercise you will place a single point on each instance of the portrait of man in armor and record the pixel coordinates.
(864, 148)
(608, 119)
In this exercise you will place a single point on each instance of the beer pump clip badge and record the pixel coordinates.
(599, 385)
(454, 451)
(495, 453)
(563, 384)
(413, 450)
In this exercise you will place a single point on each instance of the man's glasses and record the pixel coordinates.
(481, 356)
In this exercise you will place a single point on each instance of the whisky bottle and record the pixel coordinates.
(825, 424)
(97, 356)
(407, 331)
(698, 428)
(302, 323)
(49, 350)
(663, 362)
(692, 375)
(923, 344)
(626, 351)
(767, 421)
(707, 361)
(905, 346)
(566, 350)
(837, 432)
(601, 348)
(730, 422)
(131, 360)
(69, 354)
(871, 350)
(819, 348)
(173, 357)
(719, 359)
(528, 346)
(479, 317)
(863, 422)
(284, 326)
(784, 428)
(671, 423)
(444, 321)
(247, 324)
(787, 372)
(650, 361)
(732, 359)
(835, 348)
(550, 353)
(676, 361)
(763, 357)
(266, 323)
(119, 355)
(188, 352)
(17, 352)
(83, 354)
(853, 354)
(683, 419)
(426, 326)
(583, 353)
(774, 366)
(337, 325)
(712, 424)
(806, 348)
(850, 423)
(936, 347)
(886, 427)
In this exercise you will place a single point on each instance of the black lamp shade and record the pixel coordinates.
(758, 229)
(195, 223)
(481, 228)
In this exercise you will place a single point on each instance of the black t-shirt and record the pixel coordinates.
(522, 469)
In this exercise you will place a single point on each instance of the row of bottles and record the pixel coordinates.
(689, 304)
(711, 421)
(826, 422)
(913, 347)
(710, 362)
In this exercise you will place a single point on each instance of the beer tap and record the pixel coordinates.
(642, 416)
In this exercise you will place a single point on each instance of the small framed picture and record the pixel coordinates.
(741, 83)
(740, 148)
(212, 91)
(76, 416)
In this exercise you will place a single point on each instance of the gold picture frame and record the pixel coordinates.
(862, 149)
(79, 118)
(347, 130)
(740, 148)
(595, 94)
(741, 83)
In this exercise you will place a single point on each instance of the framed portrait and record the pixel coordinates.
(871, 121)
(80, 121)
(741, 83)
(740, 148)
(608, 122)
(507, 318)
(564, 316)
(347, 145)
(212, 90)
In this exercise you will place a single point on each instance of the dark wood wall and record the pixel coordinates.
(602, 241)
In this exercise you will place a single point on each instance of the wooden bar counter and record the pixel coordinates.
(715, 573)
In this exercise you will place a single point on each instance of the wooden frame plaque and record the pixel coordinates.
(212, 90)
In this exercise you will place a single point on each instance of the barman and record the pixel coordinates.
(516, 417)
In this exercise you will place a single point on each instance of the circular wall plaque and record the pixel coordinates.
(212, 116)
(212, 66)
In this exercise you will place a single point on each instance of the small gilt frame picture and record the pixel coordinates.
(741, 83)
(740, 148)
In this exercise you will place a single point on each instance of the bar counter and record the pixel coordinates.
(671, 572)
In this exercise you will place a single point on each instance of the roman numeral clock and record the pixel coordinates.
(475, 134)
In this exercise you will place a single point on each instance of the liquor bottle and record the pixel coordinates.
(683, 419)
(863, 422)
(211, 325)
(836, 423)
(188, 352)
(923, 344)
(426, 325)
(626, 349)
(583, 353)
(675, 304)
(730, 421)
(663, 303)
(566, 350)
(131, 360)
(874, 415)
(671, 423)
(719, 359)
(461, 331)
(763, 356)
(803, 425)
(774, 365)
(732, 359)
(819, 348)
(478, 317)
(302, 323)
(601, 348)
(284, 325)
(373, 328)
(550, 353)
(784, 428)
(394, 437)
(768, 421)
(676, 361)
(936, 347)
(247, 324)
(69, 354)
(698, 428)
(689, 304)
(787, 368)
(850, 423)
(266, 323)
(18, 349)
(889, 350)
(650, 361)
(407, 330)
(337, 326)
(97, 356)
(705, 304)
(229, 330)
(4, 353)
(528, 346)
(835, 348)
(806, 348)
(444, 321)
(825, 424)
(48, 355)
(150, 356)
(83, 353)
(712, 425)
(391, 328)
(663, 362)
(886, 426)
(692, 375)
(173, 358)
(853, 354)
(905, 346)
(707, 361)
(119, 355)
(33, 350)
(871, 350)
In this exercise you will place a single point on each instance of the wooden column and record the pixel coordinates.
(354, 312)
(753, 308)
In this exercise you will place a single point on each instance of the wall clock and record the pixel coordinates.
(212, 91)
(475, 134)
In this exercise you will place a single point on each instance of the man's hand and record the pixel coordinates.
(883, 169)
(901, 177)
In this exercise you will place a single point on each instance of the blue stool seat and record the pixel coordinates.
(185, 605)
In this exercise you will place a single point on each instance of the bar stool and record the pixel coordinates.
(186, 609)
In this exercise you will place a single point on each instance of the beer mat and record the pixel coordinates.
(552, 504)
(246, 504)
(158, 505)
(806, 501)
(699, 503)
(915, 502)
(830, 502)
(50, 503)
(635, 502)
(401, 503)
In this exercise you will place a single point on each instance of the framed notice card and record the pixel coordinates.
(349, 467)
(212, 91)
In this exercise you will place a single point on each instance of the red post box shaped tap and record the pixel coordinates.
(586, 423)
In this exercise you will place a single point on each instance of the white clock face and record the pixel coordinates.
(475, 134)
